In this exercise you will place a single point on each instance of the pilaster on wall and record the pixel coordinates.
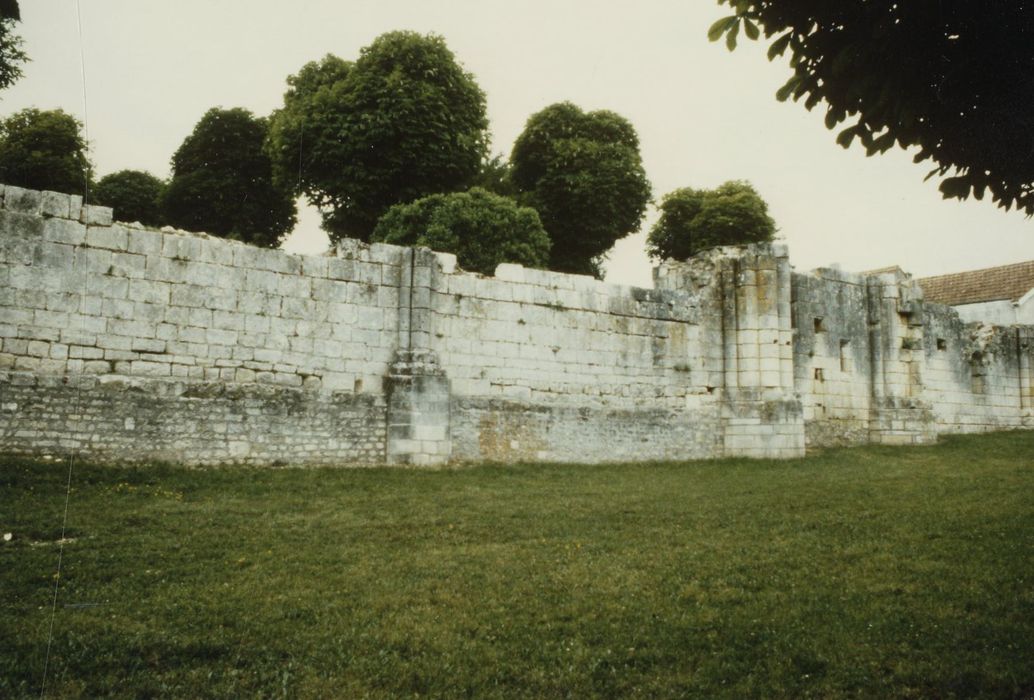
(761, 414)
(899, 415)
(418, 410)
(1025, 353)
(418, 392)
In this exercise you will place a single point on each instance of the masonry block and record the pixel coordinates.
(418, 396)
(93, 215)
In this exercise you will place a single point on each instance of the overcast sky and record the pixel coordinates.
(703, 115)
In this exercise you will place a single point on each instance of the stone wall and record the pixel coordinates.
(874, 363)
(133, 344)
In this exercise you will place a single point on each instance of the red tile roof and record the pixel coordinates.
(990, 284)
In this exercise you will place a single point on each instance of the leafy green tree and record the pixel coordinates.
(133, 194)
(692, 220)
(954, 78)
(302, 133)
(496, 176)
(483, 229)
(222, 181)
(43, 150)
(404, 121)
(11, 55)
(583, 174)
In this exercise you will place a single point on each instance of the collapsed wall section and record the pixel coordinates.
(976, 377)
(873, 362)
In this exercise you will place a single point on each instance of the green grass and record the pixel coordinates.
(869, 572)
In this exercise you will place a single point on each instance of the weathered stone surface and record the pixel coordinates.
(196, 349)
(94, 215)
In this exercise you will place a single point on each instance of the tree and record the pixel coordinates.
(496, 177)
(483, 229)
(133, 194)
(43, 150)
(583, 174)
(222, 181)
(402, 122)
(302, 134)
(954, 78)
(11, 54)
(691, 220)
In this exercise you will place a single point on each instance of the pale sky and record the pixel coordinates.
(703, 115)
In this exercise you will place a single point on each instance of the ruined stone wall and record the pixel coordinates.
(127, 342)
(975, 376)
(132, 344)
(875, 363)
(552, 366)
(832, 353)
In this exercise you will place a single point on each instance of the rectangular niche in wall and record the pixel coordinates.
(978, 373)
(845, 355)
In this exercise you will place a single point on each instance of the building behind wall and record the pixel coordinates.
(131, 344)
(1002, 295)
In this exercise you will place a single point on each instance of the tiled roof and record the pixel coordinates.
(990, 284)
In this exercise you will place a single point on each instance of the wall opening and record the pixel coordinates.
(978, 373)
(942, 344)
(820, 327)
(845, 355)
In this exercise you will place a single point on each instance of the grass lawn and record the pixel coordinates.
(872, 572)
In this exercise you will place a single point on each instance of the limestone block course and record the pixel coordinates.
(131, 344)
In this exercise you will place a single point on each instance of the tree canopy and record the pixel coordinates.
(954, 78)
(583, 173)
(483, 229)
(133, 194)
(222, 181)
(404, 121)
(692, 220)
(43, 150)
(11, 55)
(495, 176)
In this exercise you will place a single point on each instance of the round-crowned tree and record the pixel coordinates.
(404, 121)
(692, 220)
(133, 194)
(483, 229)
(583, 173)
(222, 181)
(43, 150)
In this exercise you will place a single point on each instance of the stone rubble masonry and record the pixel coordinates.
(130, 344)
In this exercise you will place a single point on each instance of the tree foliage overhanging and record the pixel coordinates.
(483, 229)
(692, 220)
(954, 78)
(404, 121)
(133, 194)
(11, 54)
(222, 181)
(43, 150)
(583, 173)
